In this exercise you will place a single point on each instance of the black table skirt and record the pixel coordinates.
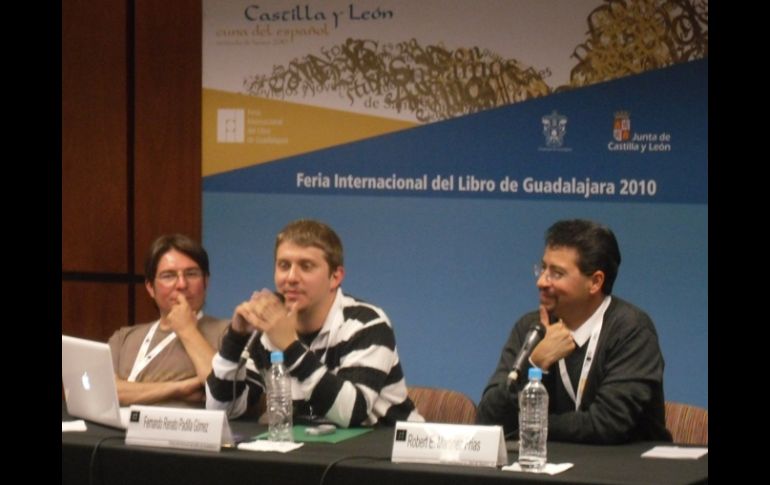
(364, 460)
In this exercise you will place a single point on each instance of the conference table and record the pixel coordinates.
(99, 455)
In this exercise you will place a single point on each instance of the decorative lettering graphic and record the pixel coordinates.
(628, 37)
(430, 81)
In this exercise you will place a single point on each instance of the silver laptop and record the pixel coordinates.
(89, 382)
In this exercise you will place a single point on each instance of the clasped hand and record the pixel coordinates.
(265, 313)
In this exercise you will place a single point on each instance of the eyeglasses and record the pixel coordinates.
(549, 274)
(169, 278)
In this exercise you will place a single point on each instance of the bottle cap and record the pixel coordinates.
(276, 357)
(535, 373)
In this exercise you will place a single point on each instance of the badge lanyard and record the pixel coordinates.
(143, 358)
(587, 360)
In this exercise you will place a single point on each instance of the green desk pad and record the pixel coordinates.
(341, 434)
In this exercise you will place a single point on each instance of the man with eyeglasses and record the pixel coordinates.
(167, 361)
(600, 356)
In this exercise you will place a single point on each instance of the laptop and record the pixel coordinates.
(89, 382)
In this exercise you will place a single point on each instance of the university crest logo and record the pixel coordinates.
(554, 129)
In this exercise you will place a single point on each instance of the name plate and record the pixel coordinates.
(196, 429)
(458, 444)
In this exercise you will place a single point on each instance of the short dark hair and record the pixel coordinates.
(308, 232)
(181, 243)
(596, 246)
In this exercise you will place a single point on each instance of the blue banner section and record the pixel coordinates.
(453, 275)
(641, 138)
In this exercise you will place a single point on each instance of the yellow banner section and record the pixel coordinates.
(241, 130)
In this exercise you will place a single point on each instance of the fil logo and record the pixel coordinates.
(621, 127)
(400, 435)
(86, 381)
(554, 131)
(230, 125)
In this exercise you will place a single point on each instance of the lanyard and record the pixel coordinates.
(143, 358)
(583, 372)
(587, 360)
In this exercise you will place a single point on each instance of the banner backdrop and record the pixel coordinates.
(440, 139)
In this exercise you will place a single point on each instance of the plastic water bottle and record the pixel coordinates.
(279, 403)
(533, 423)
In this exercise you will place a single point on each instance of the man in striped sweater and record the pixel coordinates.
(340, 351)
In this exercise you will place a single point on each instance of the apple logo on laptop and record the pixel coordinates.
(86, 381)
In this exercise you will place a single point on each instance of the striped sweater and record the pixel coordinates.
(350, 373)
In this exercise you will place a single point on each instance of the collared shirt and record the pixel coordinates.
(583, 333)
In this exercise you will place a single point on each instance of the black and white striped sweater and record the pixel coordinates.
(350, 373)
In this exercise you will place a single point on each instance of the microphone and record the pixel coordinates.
(253, 338)
(247, 348)
(535, 335)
